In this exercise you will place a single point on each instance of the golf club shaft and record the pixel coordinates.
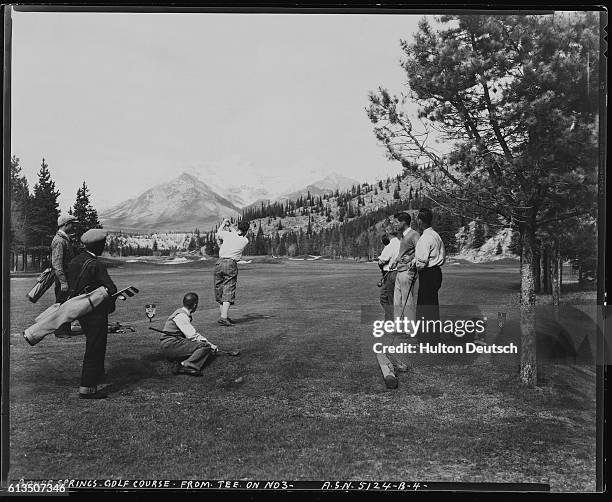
(219, 351)
(409, 291)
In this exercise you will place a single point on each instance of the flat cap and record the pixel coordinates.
(94, 235)
(65, 218)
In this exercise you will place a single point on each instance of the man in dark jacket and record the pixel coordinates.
(86, 273)
(62, 251)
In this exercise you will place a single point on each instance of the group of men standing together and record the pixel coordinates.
(411, 262)
(78, 271)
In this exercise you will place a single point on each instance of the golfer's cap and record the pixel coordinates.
(397, 215)
(66, 218)
(94, 235)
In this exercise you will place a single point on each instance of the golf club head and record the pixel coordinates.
(128, 292)
(134, 289)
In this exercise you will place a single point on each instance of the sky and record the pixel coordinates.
(126, 101)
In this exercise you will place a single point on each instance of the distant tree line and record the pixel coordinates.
(349, 202)
(34, 216)
(359, 237)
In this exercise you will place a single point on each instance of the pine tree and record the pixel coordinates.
(20, 206)
(522, 93)
(83, 211)
(479, 235)
(44, 211)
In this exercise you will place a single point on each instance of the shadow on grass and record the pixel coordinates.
(250, 318)
(128, 372)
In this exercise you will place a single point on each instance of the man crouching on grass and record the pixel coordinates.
(231, 243)
(182, 343)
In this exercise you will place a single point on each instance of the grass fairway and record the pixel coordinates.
(311, 403)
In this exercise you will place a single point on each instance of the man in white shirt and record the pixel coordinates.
(429, 256)
(182, 342)
(231, 243)
(388, 254)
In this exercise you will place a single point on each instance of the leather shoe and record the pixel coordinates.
(97, 395)
(183, 370)
(85, 393)
(225, 322)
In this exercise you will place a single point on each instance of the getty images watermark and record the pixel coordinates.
(458, 328)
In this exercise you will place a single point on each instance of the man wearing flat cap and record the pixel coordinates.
(86, 273)
(62, 251)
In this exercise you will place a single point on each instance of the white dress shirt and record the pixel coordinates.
(184, 324)
(389, 253)
(429, 251)
(232, 244)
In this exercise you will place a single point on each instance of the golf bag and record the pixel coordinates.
(44, 282)
(60, 313)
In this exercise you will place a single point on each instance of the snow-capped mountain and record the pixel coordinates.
(326, 185)
(201, 198)
(181, 204)
(335, 181)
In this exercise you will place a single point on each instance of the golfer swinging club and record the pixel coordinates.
(231, 243)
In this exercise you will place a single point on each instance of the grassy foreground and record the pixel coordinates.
(309, 402)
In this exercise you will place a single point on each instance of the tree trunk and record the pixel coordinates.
(537, 284)
(528, 368)
(555, 273)
(546, 270)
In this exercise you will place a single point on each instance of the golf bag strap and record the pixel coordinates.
(87, 262)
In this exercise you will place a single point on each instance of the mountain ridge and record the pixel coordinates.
(181, 204)
(165, 205)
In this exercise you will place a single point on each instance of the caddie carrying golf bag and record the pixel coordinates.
(44, 282)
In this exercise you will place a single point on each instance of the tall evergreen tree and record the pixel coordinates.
(44, 211)
(20, 202)
(479, 235)
(517, 96)
(83, 211)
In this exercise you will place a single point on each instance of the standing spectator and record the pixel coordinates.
(388, 254)
(62, 251)
(405, 281)
(429, 257)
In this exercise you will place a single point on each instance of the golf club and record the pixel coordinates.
(384, 277)
(219, 351)
(129, 291)
(409, 291)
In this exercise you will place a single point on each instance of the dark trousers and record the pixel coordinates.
(428, 307)
(95, 326)
(386, 295)
(61, 297)
(192, 353)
